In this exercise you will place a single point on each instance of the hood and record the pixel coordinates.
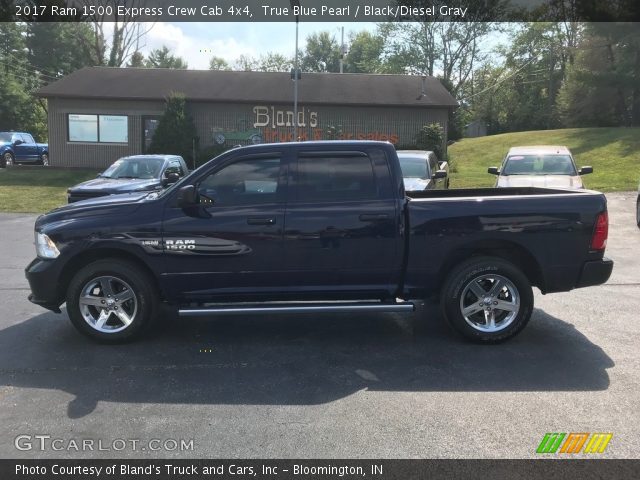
(415, 184)
(546, 181)
(120, 205)
(115, 185)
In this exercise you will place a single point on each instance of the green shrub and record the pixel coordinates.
(430, 137)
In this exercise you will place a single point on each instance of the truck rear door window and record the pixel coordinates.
(335, 178)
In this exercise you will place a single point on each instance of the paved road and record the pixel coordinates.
(331, 386)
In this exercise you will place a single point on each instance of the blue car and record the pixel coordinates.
(20, 147)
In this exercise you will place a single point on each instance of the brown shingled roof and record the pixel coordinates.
(223, 86)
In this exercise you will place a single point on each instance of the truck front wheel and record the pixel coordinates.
(111, 301)
(487, 299)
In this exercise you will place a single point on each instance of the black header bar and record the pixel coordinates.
(167, 469)
(321, 10)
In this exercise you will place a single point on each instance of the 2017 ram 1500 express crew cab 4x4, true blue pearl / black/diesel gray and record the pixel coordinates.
(315, 227)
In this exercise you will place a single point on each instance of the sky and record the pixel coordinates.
(198, 42)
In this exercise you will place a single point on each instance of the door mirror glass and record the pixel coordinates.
(187, 196)
(170, 178)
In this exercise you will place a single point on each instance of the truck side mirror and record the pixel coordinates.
(18, 142)
(493, 171)
(170, 179)
(439, 174)
(585, 170)
(187, 196)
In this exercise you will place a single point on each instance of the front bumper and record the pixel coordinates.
(44, 277)
(595, 273)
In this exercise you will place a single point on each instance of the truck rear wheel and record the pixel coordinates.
(487, 299)
(111, 301)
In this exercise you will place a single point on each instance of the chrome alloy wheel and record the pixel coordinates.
(8, 159)
(108, 304)
(490, 303)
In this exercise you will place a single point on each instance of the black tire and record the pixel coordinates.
(638, 211)
(484, 274)
(121, 276)
(7, 159)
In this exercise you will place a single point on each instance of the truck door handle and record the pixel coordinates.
(261, 221)
(373, 217)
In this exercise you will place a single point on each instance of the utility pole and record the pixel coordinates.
(296, 74)
(342, 50)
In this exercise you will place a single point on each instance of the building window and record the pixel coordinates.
(98, 128)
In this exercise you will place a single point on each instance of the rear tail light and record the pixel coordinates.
(600, 232)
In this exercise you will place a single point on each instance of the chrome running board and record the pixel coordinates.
(311, 307)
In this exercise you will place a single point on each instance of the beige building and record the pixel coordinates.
(98, 114)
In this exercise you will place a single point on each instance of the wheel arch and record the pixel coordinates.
(91, 255)
(505, 250)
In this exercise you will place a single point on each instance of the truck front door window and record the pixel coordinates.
(242, 183)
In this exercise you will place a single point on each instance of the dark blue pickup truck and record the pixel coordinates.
(20, 147)
(315, 227)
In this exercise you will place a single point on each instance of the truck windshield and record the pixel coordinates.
(134, 168)
(5, 137)
(539, 165)
(414, 167)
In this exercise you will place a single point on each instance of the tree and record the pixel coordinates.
(270, 62)
(218, 63)
(58, 48)
(162, 58)
(450, 49)
(245, 63)
(602, 87)
(430, 137)
(127, 34)
(20, 109)
(137, 60)
(321, 54)
(365, 53)
(176, 131)
(274, 62)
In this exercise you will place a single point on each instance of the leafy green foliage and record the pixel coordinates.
(176, 130)
(602, 87)
(218, 63)
(321, 54)
(431, 137)
(20, 109)
(162, 58)
(137, 60)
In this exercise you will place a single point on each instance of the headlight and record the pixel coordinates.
(45, 248)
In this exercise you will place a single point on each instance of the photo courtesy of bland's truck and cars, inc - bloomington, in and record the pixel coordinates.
(319, 240)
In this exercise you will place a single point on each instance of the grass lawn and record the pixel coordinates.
(614, 154)
(37, 189)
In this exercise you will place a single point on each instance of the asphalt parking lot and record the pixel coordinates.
(347, 386)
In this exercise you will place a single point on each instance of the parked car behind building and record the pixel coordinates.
(132, 174)
(539, 166)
